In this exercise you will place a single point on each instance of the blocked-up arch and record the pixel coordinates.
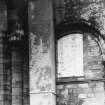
(76, 89)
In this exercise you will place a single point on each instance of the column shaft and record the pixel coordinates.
(25, 68)
(1, 71)
(3, 28)
(16, 75)
(41, 53)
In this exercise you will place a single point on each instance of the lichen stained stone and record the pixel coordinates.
(92, 11)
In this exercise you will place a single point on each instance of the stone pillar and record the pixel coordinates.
(25, 69)
(15, 41)
(16, 75)
(41, 53)
(1, 71)
(7, 73)
(3, 28)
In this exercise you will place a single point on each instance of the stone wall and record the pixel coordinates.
(91, 11)
(14, 87)
(93, 60)
(41, 53)
(4, 96)
(89, 89)
(91, 93)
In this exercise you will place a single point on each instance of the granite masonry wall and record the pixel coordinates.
(92, 93)
(84, 91)
(89, 89)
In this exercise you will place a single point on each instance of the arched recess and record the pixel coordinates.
(81, 27)
(86, 89)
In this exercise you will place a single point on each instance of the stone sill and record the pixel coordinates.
(77, 80)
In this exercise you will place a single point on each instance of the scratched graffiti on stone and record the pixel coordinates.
(40, 65)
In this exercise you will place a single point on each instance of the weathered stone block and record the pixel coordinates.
(42, 99)
(82, 96)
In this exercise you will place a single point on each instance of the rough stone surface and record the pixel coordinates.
(93, 67)
(69, 61)
(73, 10)
(16, 76)
(42, 99)
(81, 94)
(25, 69)
(3, 27)
(42, 68)
(86, 93)
(91, 93)
(1, 72)
(3, 16)
(7, 75)
(41, 53)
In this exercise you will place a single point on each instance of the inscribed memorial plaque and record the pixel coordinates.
(70, 56)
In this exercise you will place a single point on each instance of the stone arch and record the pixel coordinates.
(73, 90)
(81, 26)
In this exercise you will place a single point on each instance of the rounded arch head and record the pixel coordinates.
(76, 26)
(82, 26)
